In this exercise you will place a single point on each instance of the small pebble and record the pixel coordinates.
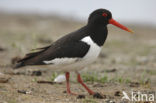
(110, 101)
(45, 82)
(59, 79)
(36, 73)
(21, 91)
(98, 95)
(134, 84)
(111, 70)
(2, 49)
(80, 96)
(24, 91)
(117, 93)
(4, 78)
(65, 91)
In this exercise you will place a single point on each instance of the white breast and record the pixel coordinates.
(94, 49)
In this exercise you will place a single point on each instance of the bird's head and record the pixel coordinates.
(102, 17)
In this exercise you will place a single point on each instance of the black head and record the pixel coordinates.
(100, 17)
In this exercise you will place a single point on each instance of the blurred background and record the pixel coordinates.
(127, 61)
(130, 11)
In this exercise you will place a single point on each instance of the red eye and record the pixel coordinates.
(104, 14)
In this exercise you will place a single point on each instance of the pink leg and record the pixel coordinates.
(84, 85)
(68, 86)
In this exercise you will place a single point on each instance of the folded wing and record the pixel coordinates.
(54, 53)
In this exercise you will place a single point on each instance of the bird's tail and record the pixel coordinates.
(18, 65)
(27, 59)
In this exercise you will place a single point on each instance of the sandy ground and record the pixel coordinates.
(127, 62)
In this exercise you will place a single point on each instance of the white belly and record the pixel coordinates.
(75, 64)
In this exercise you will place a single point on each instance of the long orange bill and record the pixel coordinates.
(112, 21)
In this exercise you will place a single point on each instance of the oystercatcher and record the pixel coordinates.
(75, 50)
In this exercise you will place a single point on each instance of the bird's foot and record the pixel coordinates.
(71, 93)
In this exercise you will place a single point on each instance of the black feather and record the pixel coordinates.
(33, 54)
(18, 65)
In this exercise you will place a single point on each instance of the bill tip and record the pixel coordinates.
(132, 32)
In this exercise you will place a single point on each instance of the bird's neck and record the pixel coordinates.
(98, 33)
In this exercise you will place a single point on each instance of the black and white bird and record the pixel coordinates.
(75, 50)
